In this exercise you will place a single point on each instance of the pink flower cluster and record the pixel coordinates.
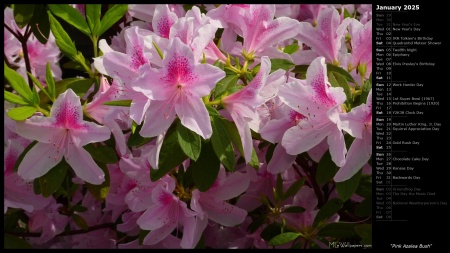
(168, 62)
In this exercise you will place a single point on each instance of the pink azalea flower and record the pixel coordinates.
(319, 105)
(17, 192)
(361, 40)
(64, 133)
(260, 31)
(177, 89)
(325, 39)
(358, 123)
(307, 199)
(163, 216)
(242, 105)
(48, 221)
(211, 204)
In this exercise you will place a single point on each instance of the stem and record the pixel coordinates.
(72, 232)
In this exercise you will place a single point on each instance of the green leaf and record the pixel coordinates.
(294, 188)
(40, 86)
(301, 69)
(36, 99)
(39, 23)
(270, 231)
(62, 39)
(221, 143)
(78, 208)
(234, 134)
(254, 162)
(36, 186)
(190, 142)
(79, 85)
(18, 83)
(212, 111)
(280, 64)
(205, 169)
(278, 194)
(365, 232)
(338, 230)
(364, 209)
(80, 221)
(337, 80)
(294, 209)
(93, 13)
(52, 180)
(291, 48)
(15, 242)
(334, 68)
(103, 154)
(136, 140)
(22, 155)
(284, 238)
(347, 14)
(13, 98)
(21, 113)
(73, 65)
(365, 186)
(269, 152)
(126, 103)
(23, 14)
(111, 17)
(170, 156)
(142, 235)
(326, 168)
(226, 83)
(365, 90)
(100, 192)
(327, 210)
(71, 16)
(50, 82)
(346, 188)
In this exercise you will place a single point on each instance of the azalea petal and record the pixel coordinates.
(297, 140)
(12, 152)
(207, 78)
(154, 217)
(138, 107)
(306, 198)
(276, 31)
(119, 137)
(153, 156)
(193, 228)
(195, 204)
(245, 134)
(359, 153)
(136, 47)
(159, 234)
(274, 130)
(223, 213)
(163, 19)
(273, 83)
(205, 35)
(119, 65)
(281, 160)
(158, 119)
(337, 147)
(83, 165)
(295, 94)
(90, 133)
(20, 194)
(39, 128)
(322, 92)
(193, 115)
(231, 187)
(38, 161)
